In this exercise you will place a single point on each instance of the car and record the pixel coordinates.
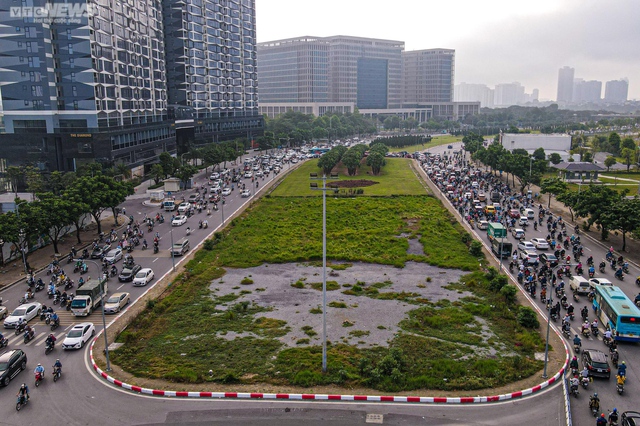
(128, 272)
(12, 362)
(113, 255)
(143, 277)
(26, 311)
(514, 213)
(596, 363)
(523, 221)
(449, 146)
(116, 302)
(194, 198)
(526, 245)
(179, 220)
(517, 233)
(226, 191)
(540, 243)
(78, 336)
(100, 251)
(248, 174)
(259, 173)
(630, 418)
(184, 207)
(548, 257)
(3, 312)
(214, 176)
(246, 193)
(483, 224)
(214, 198)
(531, 256)
(598, 281)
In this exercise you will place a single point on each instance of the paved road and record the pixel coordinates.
(628, 351)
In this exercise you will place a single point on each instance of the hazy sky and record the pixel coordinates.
(496, 41)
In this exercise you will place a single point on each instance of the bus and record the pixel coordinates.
(617, 313)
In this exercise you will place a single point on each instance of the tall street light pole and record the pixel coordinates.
(324, 189)
(173, 258)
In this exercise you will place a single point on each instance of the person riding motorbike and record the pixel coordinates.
(584, 313)
(574, 363)
(613, 417)
(570, 309)
(577, 341)
(55, 319)
(57, 366)
(39, 369)
(144, 245)
(594, 401)
(622, 369)
(51, 340)
(585, 326)
(574, 383)
(619, 274)
(23, 392)
(601, 421)
(28, 331)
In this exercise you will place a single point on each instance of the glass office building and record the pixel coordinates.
(428, 76)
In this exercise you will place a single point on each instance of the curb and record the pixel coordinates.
(325, 397)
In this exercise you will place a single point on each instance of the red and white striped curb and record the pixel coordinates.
(325, 397)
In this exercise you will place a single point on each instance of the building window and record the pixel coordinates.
(75, 105)
(73, 77)
(17, 29)
(29, 47)
(70, 46)
(74, 90)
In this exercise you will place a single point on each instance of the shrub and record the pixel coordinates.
(467, 238)
(509, 294)
(475, 249)
(151, 304)
(498, 282)
(298, 284)
(317, 310)
(208, 245)
(307, 378)
(527, 317)
(304, 341)
(338, 305)
(246, 281)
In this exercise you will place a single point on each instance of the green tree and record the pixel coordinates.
(590, 203)
(539, 154)
(185, 173)
(553, 186)
(15, 175)
(629, 156)
(35, 181)
(59, 181)
(473, 142)
(57, 217)
(376, 161)
(351, 160)
(614, 143)
(156, 173)
(527, 317)
(392, 122)
(555, 158)
(610, 161)
(622, 216)
(628, 143)
(167, 163)
(123, 170)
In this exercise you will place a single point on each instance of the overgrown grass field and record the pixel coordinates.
(435, 141)
(396, 178)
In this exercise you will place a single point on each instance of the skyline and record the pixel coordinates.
(527, 41)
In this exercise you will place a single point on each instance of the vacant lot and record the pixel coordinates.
(247, 309)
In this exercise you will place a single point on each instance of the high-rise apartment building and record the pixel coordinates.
(99, 83)
(565, 84)
(428, 76)
(466, 92)
(586, 90)
(365, 71)
(507, 94)
(616, 91)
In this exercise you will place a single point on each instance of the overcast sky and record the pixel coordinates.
(496, 41)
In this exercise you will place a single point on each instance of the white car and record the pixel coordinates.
(526, 246)
(248, 174)
(143, 277)
(116, 302)
(259, 173)
(226, 191)
(246, 193)
(78, 336)
(540, 243)
(599, 281)
(26, 311)
(214, 176)
(523, 221)
(113, 255)
(518, 233)
(184, 207)
(179, 220)
(531, 256)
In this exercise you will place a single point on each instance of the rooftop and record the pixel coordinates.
(577, 166)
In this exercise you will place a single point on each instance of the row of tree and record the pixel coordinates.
(402, 141)
(53, 212)
(376, 158)
(353, 158)
(331, 158)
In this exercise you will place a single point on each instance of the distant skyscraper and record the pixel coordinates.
(507, 94)
(365, 71)
(586, 91)
(428, 76)
(616, 91)
(465, 92)
(565, 84)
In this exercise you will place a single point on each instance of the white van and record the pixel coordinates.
(529, 214)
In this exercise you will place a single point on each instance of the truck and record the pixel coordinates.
(502, 249)
(88, 297)
(495, 197)
(169, 205)
(496, 230)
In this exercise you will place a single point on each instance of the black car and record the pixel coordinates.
(100, 251)
(548, 257)
(11, 363)
(596, 363)
(630, 418)
(128, 272)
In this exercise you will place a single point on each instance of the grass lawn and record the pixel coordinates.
(435, 141)
(395, 178)
(181, 336)
(621, 174)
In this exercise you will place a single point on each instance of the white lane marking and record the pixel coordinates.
(120, 287)
(155, 259)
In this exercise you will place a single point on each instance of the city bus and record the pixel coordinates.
(617, 313)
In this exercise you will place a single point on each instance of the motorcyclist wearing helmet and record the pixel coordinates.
(570, 309)
(594, 400)
(39, 369)
(577, 341)
(574, 363)
(23, 391)
(57, 366)
(54, 318)
(613, 416)
(622, 369)
(602, 421)
(51, 340)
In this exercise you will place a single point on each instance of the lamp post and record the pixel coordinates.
(1, 252)
(324, 189)
(23, 237)
(103, 294)
(173, 258)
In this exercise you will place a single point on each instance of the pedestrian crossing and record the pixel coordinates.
(42, 332)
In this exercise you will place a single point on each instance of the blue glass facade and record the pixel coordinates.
(372, 83)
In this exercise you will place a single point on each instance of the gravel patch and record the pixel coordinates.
(364, 322)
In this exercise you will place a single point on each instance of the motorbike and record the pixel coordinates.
(619, 275)
(594, 406)
(574, 390)
(70, 258)
(625, 269)
(584, 382)
(638, 281)
(39, 378)
(28, 336)
(566, 331)
(20, 328)
(68, 285)
(84, 269)
(155, 249)
(56, 299)
(614, 358)
(47, 318)
(130, 248)
(39, 285)
(144, 246)
(48, 348)
(620, 388)
(585, 332)
(69, 302)
(22, 401)
(114, 271)
(4, 342)
(55, 324)
(602, 267)
(576, 348)
(594, 330)
(56, 373)
(591, 273)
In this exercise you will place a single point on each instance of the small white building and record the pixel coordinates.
(532, 141)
